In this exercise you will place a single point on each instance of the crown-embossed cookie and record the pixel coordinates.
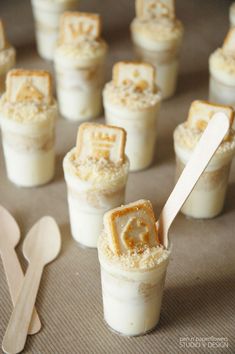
(2, 36)
(142, 75)
(201, 112)
(29, 86)
(75, 25)
(155, 9)
(101, 141)
(131, 227)
(229, 42)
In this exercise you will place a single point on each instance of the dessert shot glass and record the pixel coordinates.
(208, 196)
(46, 15)
(28, 128)
(157, 39)
(132, 279)
(135, 109)
(95, 184)
(79, 66)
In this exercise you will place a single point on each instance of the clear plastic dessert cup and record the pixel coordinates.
(88, 201)
(141, 128)
(132, 297)
(29, 149)
(47, 16)
(220, 91)
(222, 78)
(163, 53)
(232, 15)
(79, 86)
(208, 196)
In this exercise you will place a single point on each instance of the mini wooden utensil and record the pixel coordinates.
(9, 238)
(40, 247)
(208, 144)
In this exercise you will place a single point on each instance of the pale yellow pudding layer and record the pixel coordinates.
(128, 96)
(7, 59)
(87, 51)
(27, 111)
(156, 34)
(100, 173)
(222, 66)
(188, 138)
(150, 258)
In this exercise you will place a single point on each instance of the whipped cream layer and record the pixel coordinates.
(7, 59)
(98, 173)
(86, 53)
(155, 34)
(127, 96)
(186, 139)
(150, 258)
(222, 66)
(26, 112)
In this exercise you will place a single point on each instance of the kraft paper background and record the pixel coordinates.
(200, 286)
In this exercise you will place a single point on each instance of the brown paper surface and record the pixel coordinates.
(200, 286)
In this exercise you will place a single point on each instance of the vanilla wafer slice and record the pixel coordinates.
(29, 86)
(75, 25)
(101, 141)
(142, 75)
(229, 42)
(2, 36)
(202, 111)
(155, 9)
(130, 228)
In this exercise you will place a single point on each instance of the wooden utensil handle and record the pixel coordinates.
(204, 151)
(15, 277)
(16, 333)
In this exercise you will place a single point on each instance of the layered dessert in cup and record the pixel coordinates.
(133, 269)
(28, 114)
(7, 57)
(46, 17)
(222, 72)
(132, 101)
(157, 37)
(232, 15)
(79, 66)
(208, 196)
(96, 172)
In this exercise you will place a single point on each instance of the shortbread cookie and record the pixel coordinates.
(229, 42)
(75, 25)
(142, 75)
(131, 227)
(155, 9)
(202, 111)
(29, 86)
(101, 141)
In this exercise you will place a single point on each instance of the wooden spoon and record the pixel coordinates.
(9, 238)
(208, 144)
(41, 246)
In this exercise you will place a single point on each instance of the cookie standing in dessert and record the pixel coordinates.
(28, 114)
(96, 172)
(157, 37)
(133, 268)
(46, 16)
(7, 57)
(222, 72)
(132, 101)
(79, 66)
(208, 196)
